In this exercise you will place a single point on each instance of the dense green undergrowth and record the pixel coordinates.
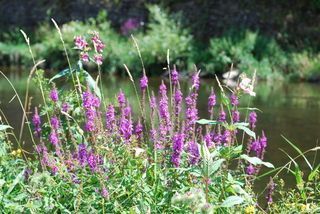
(245, 50)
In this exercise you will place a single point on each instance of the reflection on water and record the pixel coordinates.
(289, 109)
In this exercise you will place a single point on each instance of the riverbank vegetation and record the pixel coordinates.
(245, 50)
(93, 153)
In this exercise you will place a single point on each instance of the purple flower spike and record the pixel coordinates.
(175, 77)
(53, 138)
(208, 140)
(211, 102)
(84, 56)
(65, 107)
(235, 116)
(177, 149)
(36, 120)
(250, 170)
(110, 119)
(54, 95)
(139, 130)
(194, 154)
(82, 154)
(252, 119)
(80, 42)
(222, 116)
(98, 44)
(98, 59)
(104, 192)
(92, 161)
(178, 96)
(196, 81)
(144, 83)
(165, 123)
(234, 100)
(121, 99)
(55, 123)
(271, 187)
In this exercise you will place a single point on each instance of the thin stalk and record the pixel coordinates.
(67, 56)
(24, 112)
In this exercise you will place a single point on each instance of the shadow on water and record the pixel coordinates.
(289, 109)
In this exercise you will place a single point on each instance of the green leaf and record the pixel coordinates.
(4, 127)
(208, 122)
(232, 200)
(61, 74)
(313, 173)
(215, 166)
(298, 150)
(247, 130)
(92, 84)
(16, 181)
(241, 124)
(256, 161)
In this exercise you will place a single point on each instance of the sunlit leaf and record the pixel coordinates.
(232, 200)
(256, 161)
(247, 131)
(4, 127)
(208, 122)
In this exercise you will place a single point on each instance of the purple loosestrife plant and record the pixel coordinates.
(177, 149)
(165, 123)
(271, 187)
(143, 83)
(110, 119)
(194, 154)
(80, 43)
(234, 100)
(54, 95)
(175, 77)
(211, 102)
(252, 119)
(178, 97)
(97, 43)
(36, 120)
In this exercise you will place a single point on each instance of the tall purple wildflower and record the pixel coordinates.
(121, 99)
(144, 83)
(235, 116)
(82, 154)
(104, 192)
(211, 101)
(65, 107)
(92, 161)
(234, 100)
(36, 120)
(53, 138)
(54, 95)
(196, 81)
(208, 139)
(252, 119)
(98, 44)
(177, 149)
(165, 123)
(178, 96)
(222, 116)
(139, 130)
(90, 103)
(250, 170)
(259, 146)
(110, 119)
(271, 187)
(126, 126)
(80, 42)
(191, 113)
(175, 76)
(194, 154)
(55, 122)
